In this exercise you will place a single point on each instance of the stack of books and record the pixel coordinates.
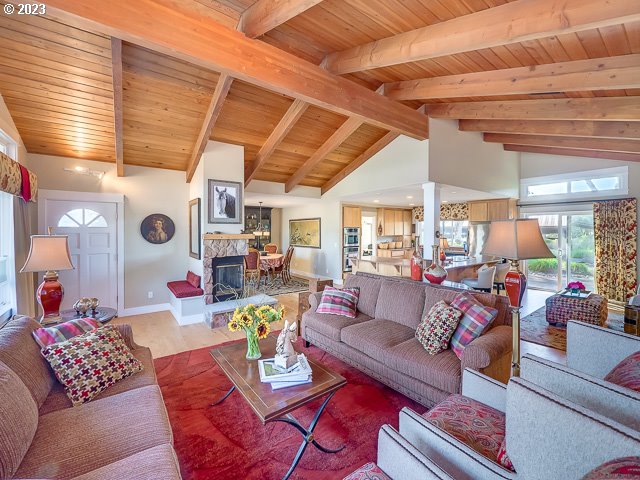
(298, 374)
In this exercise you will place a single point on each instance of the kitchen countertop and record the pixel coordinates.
(450, 265)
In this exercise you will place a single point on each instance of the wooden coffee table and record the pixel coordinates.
(276, 406)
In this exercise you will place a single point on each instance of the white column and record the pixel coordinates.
(431, 193)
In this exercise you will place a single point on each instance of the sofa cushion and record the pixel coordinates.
(375, 336)
(75, 441)
(626, 373)
(441, 371)
(331, 325)
(369, 471)
(58, 399)
(369, 290)
(476, 319)
(64, 331)
(619, 469)
(22, 355)
(339, 301)
(183, 289)
(152, 464)
(401, 302)
(475, 424)
(18, 421)
(437, 327)
(92, 362)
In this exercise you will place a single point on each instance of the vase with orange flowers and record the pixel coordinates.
(255, 321)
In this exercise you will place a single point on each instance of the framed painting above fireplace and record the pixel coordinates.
(225, 202)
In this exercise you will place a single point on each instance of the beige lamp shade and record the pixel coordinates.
(48, 252)
(444, 243)
(519, 239)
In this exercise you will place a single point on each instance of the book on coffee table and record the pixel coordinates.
(299, 372)
(279, 385)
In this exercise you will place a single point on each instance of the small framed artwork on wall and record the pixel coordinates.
(225, 202)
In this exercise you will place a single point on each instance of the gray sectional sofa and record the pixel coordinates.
(381, 341)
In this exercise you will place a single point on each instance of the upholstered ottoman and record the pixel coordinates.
(589, 310)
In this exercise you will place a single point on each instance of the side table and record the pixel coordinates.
(316, 284)
(101, 314)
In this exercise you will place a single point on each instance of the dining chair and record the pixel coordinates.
(252, 266)
(284, 269)
(271, 248)
(501, 274)
(484, 282)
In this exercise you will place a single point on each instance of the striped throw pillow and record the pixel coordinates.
(476, 318)
(336, 301)
(64, 331)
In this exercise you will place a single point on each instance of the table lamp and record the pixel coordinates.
(516, 240)
(49, 253)
(444, 244)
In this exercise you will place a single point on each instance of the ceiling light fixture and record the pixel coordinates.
(85, 171)
(409, 197)
(376, 201)
(445, 201)
(412, 204)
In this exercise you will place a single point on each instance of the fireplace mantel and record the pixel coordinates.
(228, 236)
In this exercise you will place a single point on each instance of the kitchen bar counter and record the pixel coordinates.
(396, 266)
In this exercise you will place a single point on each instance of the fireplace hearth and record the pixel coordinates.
(227, 276)
(223, 266)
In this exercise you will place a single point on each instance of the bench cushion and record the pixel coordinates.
(183, 289)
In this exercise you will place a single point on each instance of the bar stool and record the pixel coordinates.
(484, 282)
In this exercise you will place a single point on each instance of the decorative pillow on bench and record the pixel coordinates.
(64, 331)
(626, 373)
(437, 327)
(336, 301)
(476, 318)
(90, 363)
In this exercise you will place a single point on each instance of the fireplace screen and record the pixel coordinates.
(228, 277)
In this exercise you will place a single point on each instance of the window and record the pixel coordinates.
(592, 184)
(82, 217)
(7, 262)
(455, 231)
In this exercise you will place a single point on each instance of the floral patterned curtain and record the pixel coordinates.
(17, 180)
(454, 211)
(616, 237)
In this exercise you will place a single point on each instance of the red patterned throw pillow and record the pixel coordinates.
(476, 318)
(339, 301)
(90, 363)
(625, 468)
(370, 471)
(437, 327)
(503, 458)
(64, 331)
(626, 373)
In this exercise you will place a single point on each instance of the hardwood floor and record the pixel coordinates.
(161, 333)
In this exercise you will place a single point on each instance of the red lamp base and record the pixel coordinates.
(515, 283)
(49, 295)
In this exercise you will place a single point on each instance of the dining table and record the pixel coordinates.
(269, 263)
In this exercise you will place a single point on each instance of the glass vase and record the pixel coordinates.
(434, 273)
(253, 347)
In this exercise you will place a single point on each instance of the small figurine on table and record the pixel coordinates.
(286, 356)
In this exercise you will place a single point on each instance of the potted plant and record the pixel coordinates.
(576, 287)
(255, 321)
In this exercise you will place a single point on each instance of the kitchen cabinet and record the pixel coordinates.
(397, 223)
(478, 212)
(491, 210)
(389, 224)
(352, 217)
(406, 222)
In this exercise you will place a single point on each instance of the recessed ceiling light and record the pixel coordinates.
(409, 197)
(411, 204)
(445, 201)
(453, 192)
(376, 201)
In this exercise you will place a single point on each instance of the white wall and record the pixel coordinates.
(463, 159)
(147, 267)
(539, 165)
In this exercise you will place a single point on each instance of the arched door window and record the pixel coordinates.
(82, 217)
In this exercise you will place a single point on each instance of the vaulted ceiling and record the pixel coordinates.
(313, 88)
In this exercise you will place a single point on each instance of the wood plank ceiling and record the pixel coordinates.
(56, 78)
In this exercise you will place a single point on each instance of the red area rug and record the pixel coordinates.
(229, 442)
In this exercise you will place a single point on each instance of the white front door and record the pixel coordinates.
(92, 230)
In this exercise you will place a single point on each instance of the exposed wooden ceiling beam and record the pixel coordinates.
(574, 152)
(582, 143)
(362, 159)
(210, 118)
(333, 142)
(567, 128)
(293, 114)
(609, 73)
(359, 161)
(265, 15)
(116, 73)
(202, 41)
(602, 108)
(513, 22)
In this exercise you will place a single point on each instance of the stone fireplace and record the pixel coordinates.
(224, 265)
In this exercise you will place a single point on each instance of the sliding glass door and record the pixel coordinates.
(570, 237)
